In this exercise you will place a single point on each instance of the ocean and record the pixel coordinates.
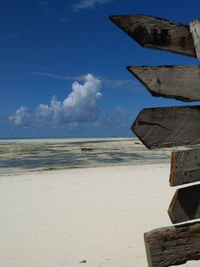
(28, 155)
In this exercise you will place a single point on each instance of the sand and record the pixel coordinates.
(82, 217)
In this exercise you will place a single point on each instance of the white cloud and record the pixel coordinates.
(89, 4)
(21, 117)
(80, 106)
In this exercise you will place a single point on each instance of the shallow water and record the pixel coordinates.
(17, 156)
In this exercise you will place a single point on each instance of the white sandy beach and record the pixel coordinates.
(97, 215)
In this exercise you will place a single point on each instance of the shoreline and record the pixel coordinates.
(16, 171)
(68, 139)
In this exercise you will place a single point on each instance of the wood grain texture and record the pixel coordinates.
(185, 205)
(178, 82)
(195, 30)
(185, 167)
(157, 33)
(169, 126)
(174, 245)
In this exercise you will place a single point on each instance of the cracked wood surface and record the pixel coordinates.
(195, 30)
(174, 245)
(168, 126)
(157, 33)
(185, 167)
(178, 82)
(185, 205)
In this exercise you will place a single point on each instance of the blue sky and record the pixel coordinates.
(63, 66)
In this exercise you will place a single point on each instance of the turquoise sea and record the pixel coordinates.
(25, 155)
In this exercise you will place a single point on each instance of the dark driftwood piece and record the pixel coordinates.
(185, 204)
(195, 30)
(185, 167)
(167, 127)
(173, 245)
(157, 33)
(179, 82)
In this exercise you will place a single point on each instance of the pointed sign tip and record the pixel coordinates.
(133, 128)
(128, 68)
(113, 17)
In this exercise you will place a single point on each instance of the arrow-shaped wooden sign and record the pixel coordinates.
(157, 33)
(179, 82)
(185, 204)
(169, 126)
(174, 245)
(185, 167)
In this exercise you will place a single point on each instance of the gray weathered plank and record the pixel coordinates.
(179, 82)
(168, 126)
(185, 204)
(185, 167)
(152, 32)
(174, 245)
(195, 30)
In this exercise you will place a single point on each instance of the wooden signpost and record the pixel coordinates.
(157, 33)
(173, 245)
(170, 81)
(185, 167)
(185, 204)
(167, 127)
(171, 126)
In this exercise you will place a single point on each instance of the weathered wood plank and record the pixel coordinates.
(157, 33)
(195, 30)
(174, 245)
(179, 82)
(169, 126)
(185, 167)
(185, 204)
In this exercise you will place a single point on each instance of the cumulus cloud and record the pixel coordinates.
(21, 117)
(81, 105)
(89, 4)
